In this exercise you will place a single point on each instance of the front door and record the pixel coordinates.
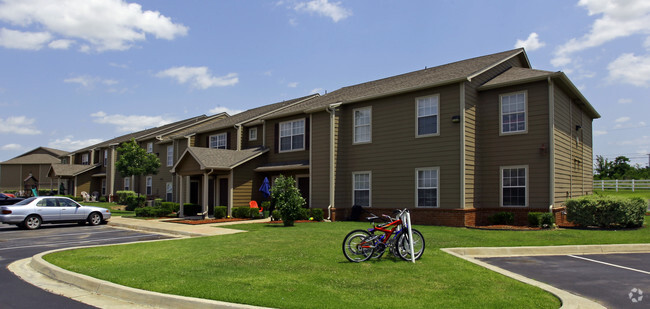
(223, 191)
(211, 196)
(194, 192)
(303, 187)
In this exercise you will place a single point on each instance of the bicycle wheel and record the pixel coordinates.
(403, 245)
(356, 247)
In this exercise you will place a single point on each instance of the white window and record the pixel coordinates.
(169, 191)
(513, 113)
(252, 134)
(361, 187)
(105, 157)
(103, 186)
(362, 125)
(292, 135)
(426, 192)
(427, 116)
(219, 141)
(149, 185)
(150, 147)
(127, 183)
(84, 159)
(170, 155)
(513, 186)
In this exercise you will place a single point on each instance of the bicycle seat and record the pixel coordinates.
(373, 218)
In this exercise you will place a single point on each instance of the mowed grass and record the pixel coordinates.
(303, 267)
(645, 194)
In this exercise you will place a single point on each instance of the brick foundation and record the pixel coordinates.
(457, 217)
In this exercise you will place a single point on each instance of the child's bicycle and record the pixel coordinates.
(361, 245)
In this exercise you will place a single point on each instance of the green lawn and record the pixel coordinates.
(625, 193)
(303, 266)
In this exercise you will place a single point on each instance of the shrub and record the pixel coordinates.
(541, 219)
(150, 211)
(42, 192)
(287, 199)
(240, 212)
(220, 211)
(317, 214)
(173, 207)
(502, 218)
(254, 212)
(133, 202)
(102, 199)
(192, 209)
(121, 196)
(303, 214)
(266, 206)
(276, 215)
(157, 202)
(606, 211)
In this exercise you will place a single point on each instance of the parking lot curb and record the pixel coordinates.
(124, 293)
(569, 300)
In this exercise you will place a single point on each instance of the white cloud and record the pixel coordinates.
(324, 8)
(292, 84)
(68, 143)
(622, 119)
(18, 125)
(23, 40)
(13, 147)
(101, 24)
(531, 43)
(199, 77)
(130, 123)
(599, 133)
(316, 90)
(624, 101)
(631, 69)
(223, 109)
(618, 18)
(90, 81)
(60, 44)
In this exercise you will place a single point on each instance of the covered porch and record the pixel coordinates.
(75, 178)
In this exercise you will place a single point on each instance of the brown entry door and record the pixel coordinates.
(223, 192)
(303, 186)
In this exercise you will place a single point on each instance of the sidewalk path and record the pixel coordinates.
(188, 230)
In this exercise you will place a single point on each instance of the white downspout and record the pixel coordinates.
(332, 111)
(238, 128)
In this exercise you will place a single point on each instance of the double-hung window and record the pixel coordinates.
(513, 113)
(252, 134)
(169, 191)
(105, 157)
(427, 115)
(361, 187)
(149, 185)
(127, 184)
(292, 135)
(427, 187)
(219, 141)
(514, 181)
(170, 155)
(150, 147)
(84, 159)
(362, 125)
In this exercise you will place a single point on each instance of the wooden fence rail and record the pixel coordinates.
(622, 184)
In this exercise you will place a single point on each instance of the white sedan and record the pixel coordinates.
(30, 213)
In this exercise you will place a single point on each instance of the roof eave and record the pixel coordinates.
(520, 52)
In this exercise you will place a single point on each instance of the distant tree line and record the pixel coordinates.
(620, 168)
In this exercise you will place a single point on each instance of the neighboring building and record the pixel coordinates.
(28, 169)
(454, 143)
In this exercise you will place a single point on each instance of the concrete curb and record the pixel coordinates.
(123, 293)
(154, 230)
(568, 300)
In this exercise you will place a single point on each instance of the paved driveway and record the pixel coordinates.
(16, 244)
(614, 280)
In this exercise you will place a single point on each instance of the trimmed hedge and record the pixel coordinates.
(606, 211)
(151, 212)
(133, 202)
(541, 219)
(220, 212)
(173, 207)
(121, 196)
(502, 218)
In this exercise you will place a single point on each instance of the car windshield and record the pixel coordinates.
(26, 201)
(3, 196)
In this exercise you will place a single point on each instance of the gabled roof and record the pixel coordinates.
(37, 158)
(429, 77)
(218, 159)
(69, 170)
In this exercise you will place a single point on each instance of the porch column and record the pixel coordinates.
(206, 188)
(181, 196)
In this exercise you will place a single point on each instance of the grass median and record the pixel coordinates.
(303, 267)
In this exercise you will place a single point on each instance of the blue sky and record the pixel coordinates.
(77, 72)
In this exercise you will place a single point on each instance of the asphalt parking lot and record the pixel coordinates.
(613, 280)
(16, 244)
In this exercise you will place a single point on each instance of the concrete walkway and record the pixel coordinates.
(166, 226)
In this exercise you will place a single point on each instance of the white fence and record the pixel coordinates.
(622, 184)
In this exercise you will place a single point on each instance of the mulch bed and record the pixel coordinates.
(506, 228)
(208, 221)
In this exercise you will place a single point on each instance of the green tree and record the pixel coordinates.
(286, 198)
(135, 161)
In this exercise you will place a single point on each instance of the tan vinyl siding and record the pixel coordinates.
(274, 156)
(246, 142)
(395, 152)
(11, 177)
(203, 139)
(320, 156)
(496, 151)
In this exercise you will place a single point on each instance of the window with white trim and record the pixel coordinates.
(292, 135)
(426, 187)
(513, 113)
(169, 191)
(170, 155)
(105, 157)
(150, 147)
(513, 186)
(149, 185)
(361, 188)
(252, 134)
(84, 159)
(127, 183)
(362, 125)
(427, 115)
(219, 141)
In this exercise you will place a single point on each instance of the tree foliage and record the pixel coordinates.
(135, 161)
(286, 198)
(620, 168)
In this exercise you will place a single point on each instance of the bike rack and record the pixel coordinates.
(410, 231)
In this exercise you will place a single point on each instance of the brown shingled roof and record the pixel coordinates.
(220, 159)
(69, 170)
(37, 158)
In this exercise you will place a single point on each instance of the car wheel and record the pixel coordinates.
(32, 222)
(95, 218)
